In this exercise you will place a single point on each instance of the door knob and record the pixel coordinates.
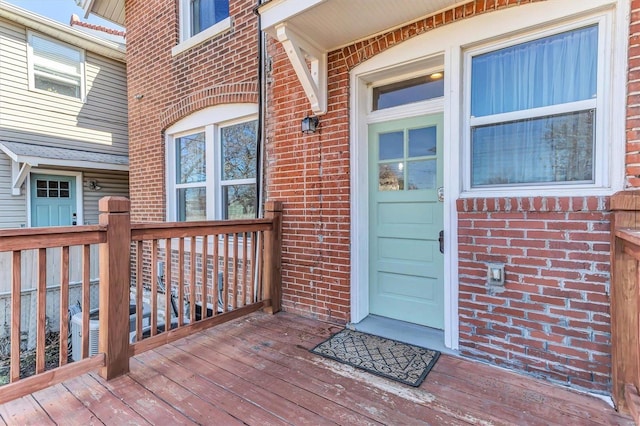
(440, 192)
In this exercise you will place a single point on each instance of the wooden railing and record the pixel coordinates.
(625, 301)
(183, 278)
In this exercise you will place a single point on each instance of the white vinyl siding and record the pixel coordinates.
(99, 124)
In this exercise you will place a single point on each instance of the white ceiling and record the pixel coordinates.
(331, 24)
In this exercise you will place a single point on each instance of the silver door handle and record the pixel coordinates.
(440, 192)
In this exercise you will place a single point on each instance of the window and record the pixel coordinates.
(201, 20)
(534, 111)
(206, 13)
(408, 91)
(212, 169)
(55, 67)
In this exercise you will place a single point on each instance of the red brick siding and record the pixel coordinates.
(632, 160)
(220, 70)
(551, 318)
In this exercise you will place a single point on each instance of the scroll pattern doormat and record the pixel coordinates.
(388, 358)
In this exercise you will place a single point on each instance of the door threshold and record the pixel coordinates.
(406, 332)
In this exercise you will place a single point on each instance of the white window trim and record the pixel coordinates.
(602, 172)
(186, 40)
(79, 192)
(450, 40)
(31, 68)
(209, 119)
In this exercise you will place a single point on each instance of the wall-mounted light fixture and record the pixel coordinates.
(138, 96)
(309, 124)
(92, 185)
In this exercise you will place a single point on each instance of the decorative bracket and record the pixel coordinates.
(310, 65)
(18, 175)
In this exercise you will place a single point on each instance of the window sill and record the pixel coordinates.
(544, 191)
(211, 32)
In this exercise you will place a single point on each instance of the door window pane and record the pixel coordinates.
(422, 141)
(408, 91)
(190, 155)
(421, 174)
(391, 177)
(390, 145)
(546, 149)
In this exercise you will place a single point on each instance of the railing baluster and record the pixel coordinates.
(260, 261)
(180, 281)
(154, 287)
(192, 282)
(41, 310)
(252, 298)
(205, 279)
(16, 287)
(244, 280)
(234, 304)
(64, 305)
(139, 291)
(225, 275)
(216, 282)
(86, 297)
(167, 285)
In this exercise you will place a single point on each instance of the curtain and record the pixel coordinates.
(554, 70)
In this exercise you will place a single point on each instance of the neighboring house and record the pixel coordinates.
(460, 176)
(63, 134)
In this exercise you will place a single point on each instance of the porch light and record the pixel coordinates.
(309, 124)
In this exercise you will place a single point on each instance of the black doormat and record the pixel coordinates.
(388, 358)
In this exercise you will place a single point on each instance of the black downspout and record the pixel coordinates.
(261, 114)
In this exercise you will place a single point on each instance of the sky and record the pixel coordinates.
(59, 10)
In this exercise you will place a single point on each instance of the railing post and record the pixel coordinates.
(625, 350)
(115, 267)
(272, 277)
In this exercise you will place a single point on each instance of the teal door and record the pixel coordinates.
(406, 267)
(53, 200)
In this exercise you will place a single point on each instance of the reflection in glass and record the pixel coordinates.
(192, 204)
(239, 201)
(422, 142)
(421, 174)
(190, 153)
(391, 145)
(239, 150)
(545, 149)
(390, 177)
(405, 92)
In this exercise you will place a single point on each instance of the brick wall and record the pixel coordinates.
(551, 318)
(220, 70)
(633, 101)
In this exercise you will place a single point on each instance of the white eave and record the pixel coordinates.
(111, 10)
(309, 29)
(62, 32)
(24, 156)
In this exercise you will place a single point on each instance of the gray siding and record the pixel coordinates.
(111, 183)
(99, 124)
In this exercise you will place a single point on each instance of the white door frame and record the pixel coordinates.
(380, 68)
(79, 192)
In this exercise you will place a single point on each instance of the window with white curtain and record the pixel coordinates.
(534, 111)
(55, 67)
(212, 171)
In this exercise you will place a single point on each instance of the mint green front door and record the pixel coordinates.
(406, 267)
(53, 200)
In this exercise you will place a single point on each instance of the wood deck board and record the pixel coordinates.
(258, 370)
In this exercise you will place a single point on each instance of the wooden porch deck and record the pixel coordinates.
(257, 370)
